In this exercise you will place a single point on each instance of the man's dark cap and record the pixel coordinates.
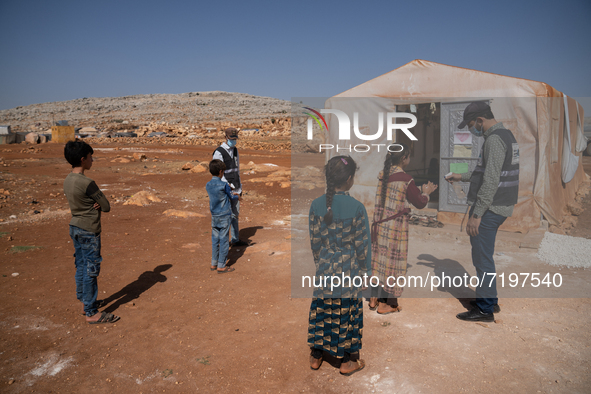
(231, 133)
(472, 111)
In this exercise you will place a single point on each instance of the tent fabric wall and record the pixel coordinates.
(530, 109)
(551, 194)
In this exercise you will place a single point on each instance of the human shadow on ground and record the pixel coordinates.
(336, 362)
(133, 290)
(446, 270)
(238, 251)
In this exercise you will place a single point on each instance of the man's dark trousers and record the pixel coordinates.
(483, 249)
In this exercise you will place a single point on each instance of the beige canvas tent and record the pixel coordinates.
(546, 124)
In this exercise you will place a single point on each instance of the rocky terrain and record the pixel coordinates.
(194, 118)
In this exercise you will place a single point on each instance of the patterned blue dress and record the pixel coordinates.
(342, 249)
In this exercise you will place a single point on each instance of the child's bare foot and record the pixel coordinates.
(373, 303)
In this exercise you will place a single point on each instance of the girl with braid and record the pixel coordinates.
(340, 239)
(389, 232)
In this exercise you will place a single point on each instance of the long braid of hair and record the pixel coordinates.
(384, 180)
(337, 171)
(330, 191)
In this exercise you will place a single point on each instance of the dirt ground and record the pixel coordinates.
(184, 329)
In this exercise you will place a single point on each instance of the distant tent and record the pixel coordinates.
(548, 136)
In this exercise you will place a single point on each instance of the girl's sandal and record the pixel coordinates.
(391, 310)
(315, 363)
(360, 366)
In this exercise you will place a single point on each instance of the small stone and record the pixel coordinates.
(187, 166)
(575, 208)
(198, 169)
(557, 230)
(120, 160)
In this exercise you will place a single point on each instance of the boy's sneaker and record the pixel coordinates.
(241, 243)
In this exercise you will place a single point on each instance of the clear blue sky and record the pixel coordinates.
(63, 50)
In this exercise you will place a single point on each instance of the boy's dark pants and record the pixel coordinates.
(88, 259)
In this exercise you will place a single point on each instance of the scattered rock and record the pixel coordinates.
(286, 173)
(183, 214)
(569, 221)
(575, 208)
(142, 198)
(201, 167)
(140, 156)
(120, 160)
(556, 230)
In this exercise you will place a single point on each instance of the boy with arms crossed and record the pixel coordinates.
(86, 203)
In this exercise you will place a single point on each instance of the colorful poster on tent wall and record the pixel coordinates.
(462, 138)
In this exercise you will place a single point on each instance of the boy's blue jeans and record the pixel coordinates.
(87, 255)
(483, 249)
(220, 228)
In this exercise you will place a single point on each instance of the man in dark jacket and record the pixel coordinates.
(494, 188)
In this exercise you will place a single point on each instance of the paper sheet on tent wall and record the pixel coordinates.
(570, 162)
(462, 138)
(459, 168)
(462, 151)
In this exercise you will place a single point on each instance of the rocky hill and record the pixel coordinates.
(194, 118)
(185, 109)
